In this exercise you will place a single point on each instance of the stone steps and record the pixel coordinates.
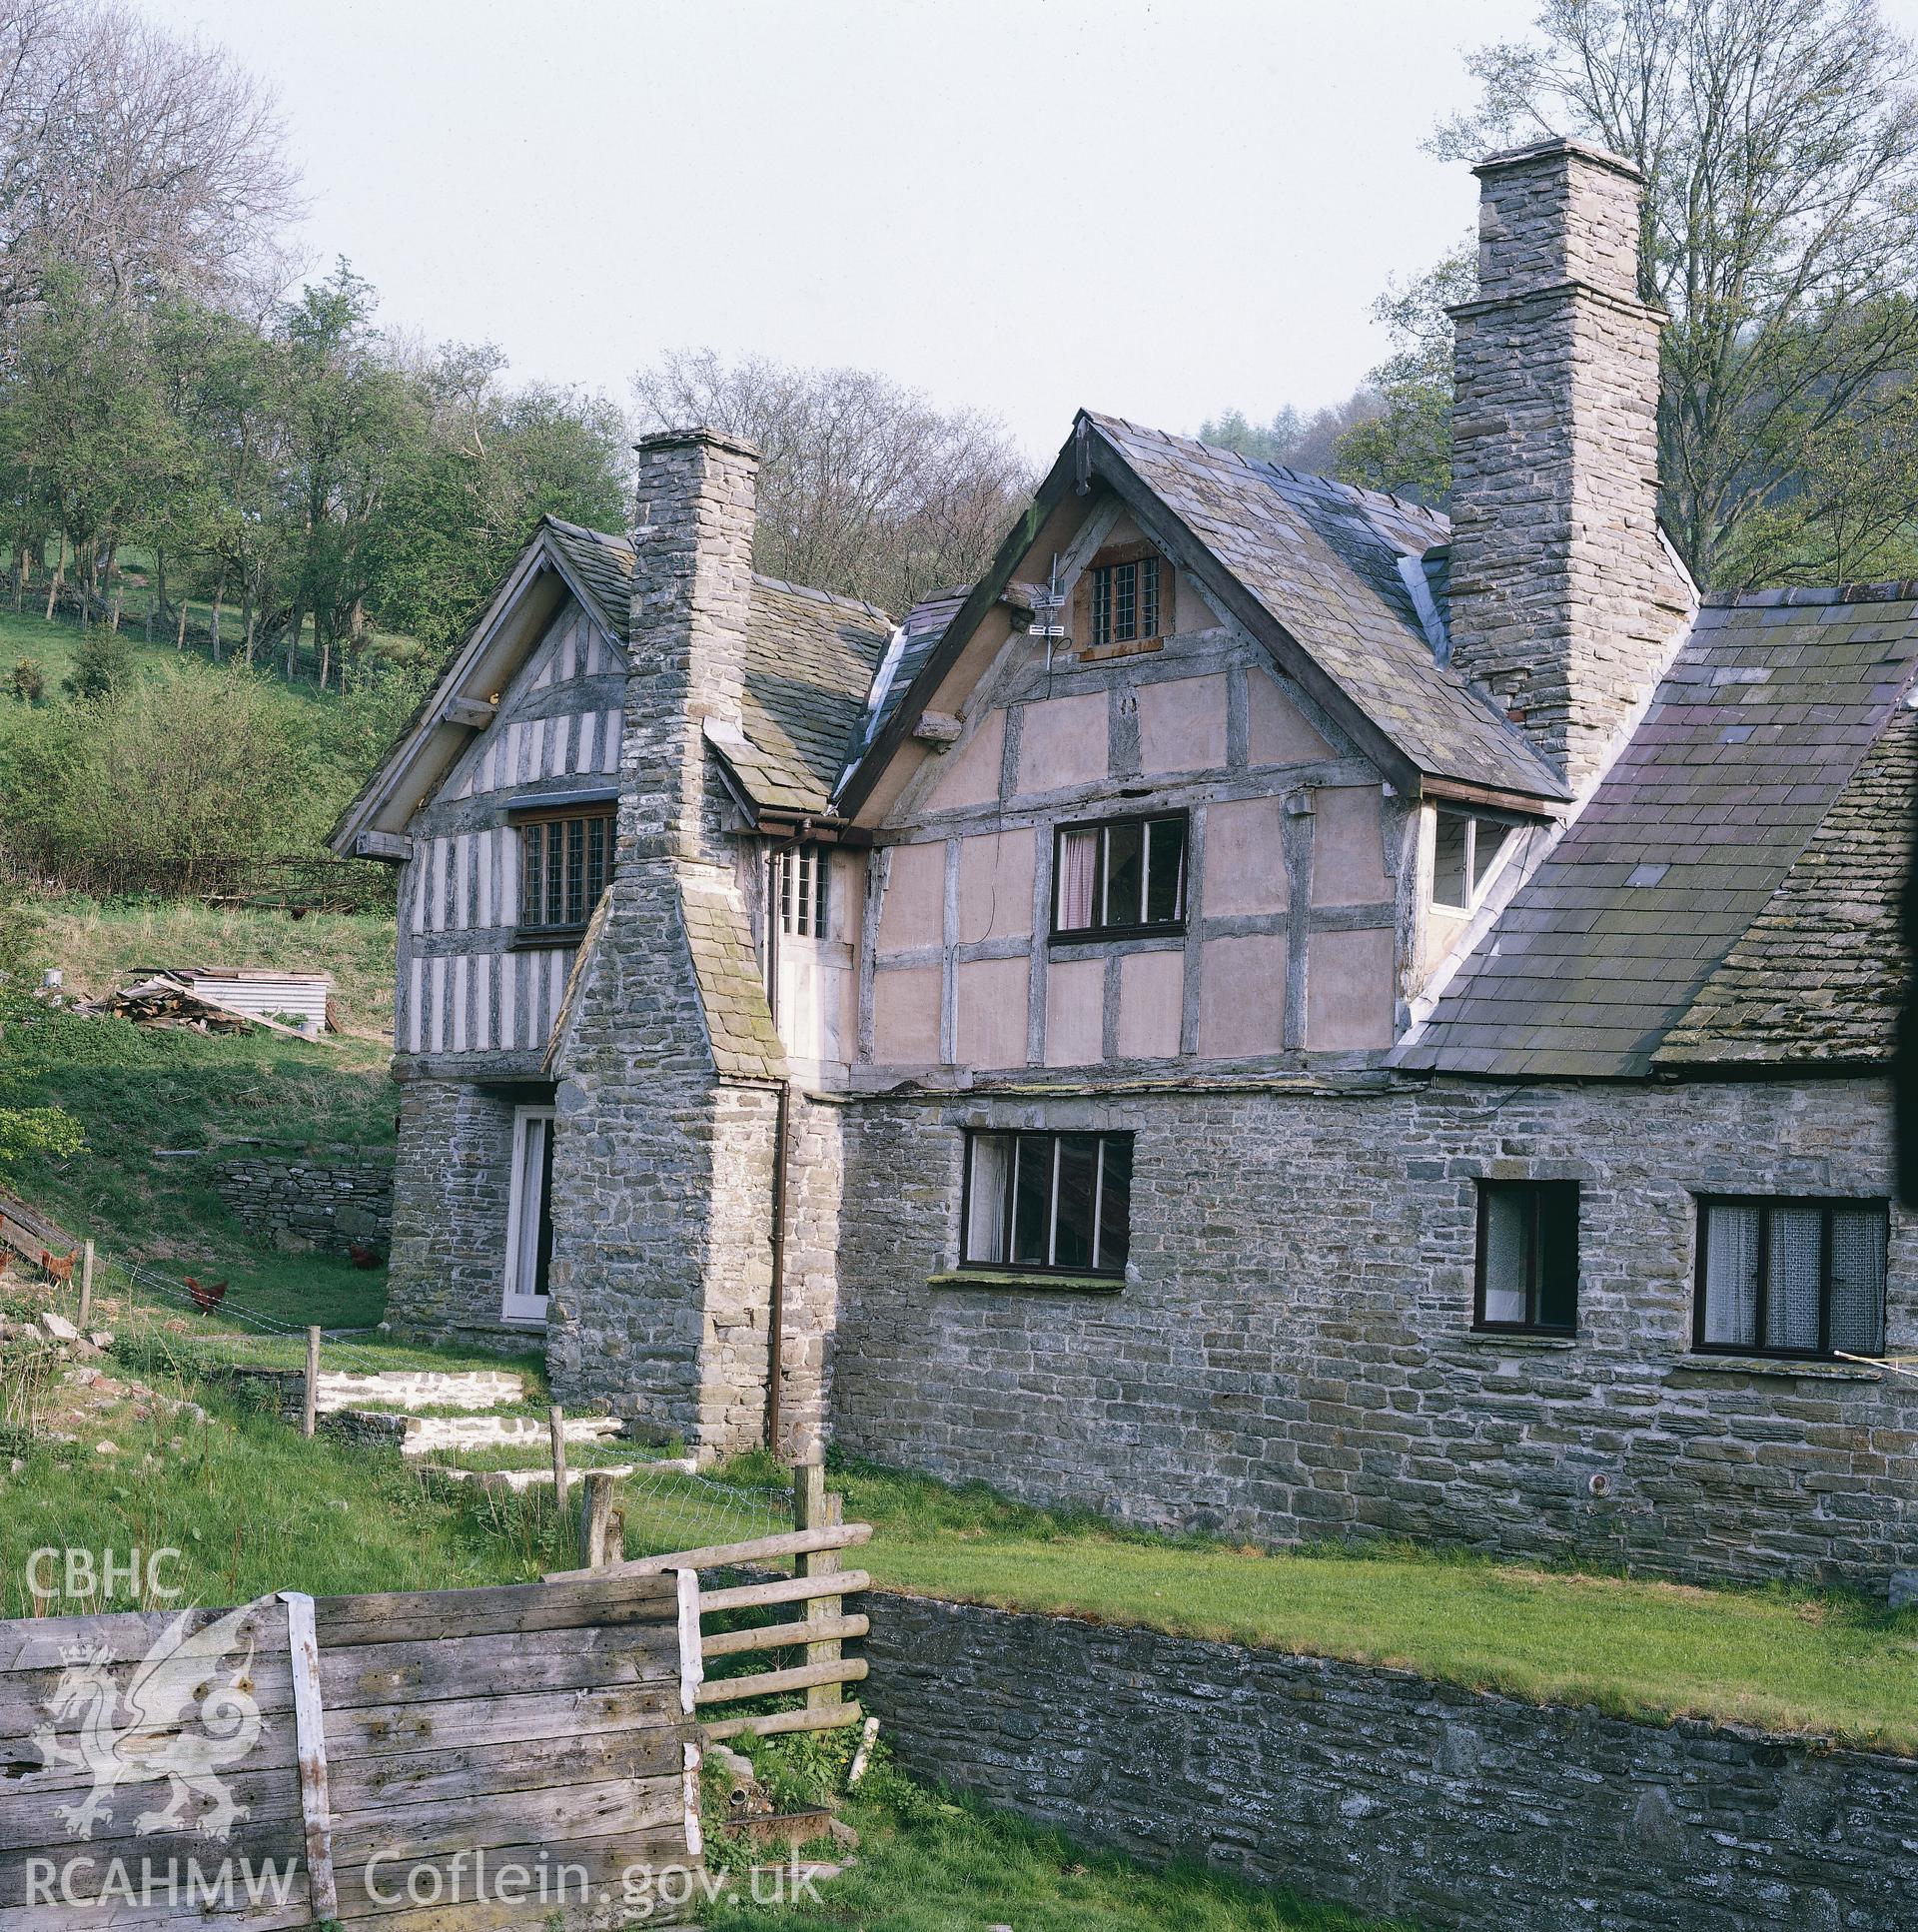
(408, 1388)
(426, 1435)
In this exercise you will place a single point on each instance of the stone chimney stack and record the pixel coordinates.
(691, 589)
(1563, 600)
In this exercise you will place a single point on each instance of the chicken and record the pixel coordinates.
(60, 1266)
(206, 1294)
(362, 1256)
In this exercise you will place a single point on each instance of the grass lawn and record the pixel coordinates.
(1792, 1661)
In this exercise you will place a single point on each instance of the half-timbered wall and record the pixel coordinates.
(1299, 871)
(466, 989)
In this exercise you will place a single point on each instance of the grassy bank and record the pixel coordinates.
(1790, 1660)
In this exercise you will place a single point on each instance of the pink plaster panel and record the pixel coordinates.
(1182, 724)
(991, 995)
(1150, 990)
(1075, 1012)
(969, 775)
(1242, 996)
(1063, 742)
(1244, 856)
(1348, 990)
(912, 913)
(1348, 859)
(1277, 734)
(905, 1016)
(994, 885)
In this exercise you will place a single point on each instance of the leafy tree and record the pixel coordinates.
(865, 487)
(1300, 441)
(1779, 139)
(102, 665)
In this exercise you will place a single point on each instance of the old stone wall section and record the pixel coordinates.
(1390, 1793)
(310, 1197)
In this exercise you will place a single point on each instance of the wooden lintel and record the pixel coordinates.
(475, 712)
(383, 845)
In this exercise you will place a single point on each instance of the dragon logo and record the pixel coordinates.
(187, 1721)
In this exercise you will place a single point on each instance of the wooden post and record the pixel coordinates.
(86, 1285)
(312, 1411)
(557, 1420)
(596, 1517)
(814, 1508)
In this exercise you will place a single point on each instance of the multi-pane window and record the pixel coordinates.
(1125, 602)
(1528, 1256)
(1125, 874)
(1059, 1202)
(1791, 1278)
(1466, 852)
(802, 891)
(565, 862)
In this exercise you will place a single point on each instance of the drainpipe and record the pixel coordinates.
(777, 1314)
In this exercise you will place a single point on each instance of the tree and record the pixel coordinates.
(865, 487)
(1406, 445)
(149, 162)
(1298, 441)
(1779, 139)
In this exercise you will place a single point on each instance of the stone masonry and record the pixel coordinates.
(303, 1197)
(1291, 1354)
(1389, 1792)
(668, 1062)
(1563, 600)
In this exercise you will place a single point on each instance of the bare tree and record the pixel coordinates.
(865, 487)
(1292, 438)
(148, 163)
(1780, 141)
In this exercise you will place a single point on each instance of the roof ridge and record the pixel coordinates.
(822, 596)
(1805, 596)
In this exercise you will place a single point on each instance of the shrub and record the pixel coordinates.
(29, 680)
(102, 665)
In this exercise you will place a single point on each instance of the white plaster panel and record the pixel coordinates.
(1063, 742)
(1242, 996)
(905, 1014)
(912, 913)
(994, 885)
(969, 774)
(1244, 856)
(1347, 857)
(1151, 1004)
(1276, 733)
(1182, 724)
(991, 1002)
(1075, 1012)
(1348, 990)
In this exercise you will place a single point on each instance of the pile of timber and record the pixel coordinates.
(164, 1000)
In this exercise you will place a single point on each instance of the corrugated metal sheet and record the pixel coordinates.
(296, 997)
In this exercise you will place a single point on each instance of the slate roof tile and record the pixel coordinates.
(1772, 932)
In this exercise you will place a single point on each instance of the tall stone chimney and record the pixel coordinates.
(1563, 600)
(692, 590)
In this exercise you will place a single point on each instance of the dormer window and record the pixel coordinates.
(1467, 851)
(802, 891)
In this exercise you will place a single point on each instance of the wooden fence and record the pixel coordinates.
(817, 1589)
(482, 1759)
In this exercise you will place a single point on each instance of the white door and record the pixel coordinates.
(530, 1216)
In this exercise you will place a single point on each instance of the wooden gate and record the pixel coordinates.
(474, 1759)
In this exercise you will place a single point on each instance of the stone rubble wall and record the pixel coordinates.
(301, 1199)
(1385, 1791)
(1292, 1355)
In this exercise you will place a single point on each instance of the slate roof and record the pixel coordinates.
(1819, 975)
(1752, 739)
(1323, 558)
(921, 628)
(810, 657)
(733, 990)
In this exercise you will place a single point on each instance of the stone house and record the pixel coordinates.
(1270, 1012)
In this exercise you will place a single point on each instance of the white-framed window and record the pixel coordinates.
(1467, 853)
(530, 1216)
(802, 891)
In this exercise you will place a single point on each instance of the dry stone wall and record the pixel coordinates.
(1389, 1792)
(303, 1198)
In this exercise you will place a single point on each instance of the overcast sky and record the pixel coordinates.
(1160, 210)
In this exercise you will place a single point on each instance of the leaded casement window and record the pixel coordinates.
(1527, 1277)
(1127, 600)
(1466, 852)
(566, 859)
(802, 891)
(1120, 876)
(1784, 1277)
(1047, 1203)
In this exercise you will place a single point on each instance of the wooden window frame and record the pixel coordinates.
(539, 933)
(1145, 929)
(789, 889)
(1767, 1204)
(1099, 575)
(1055, 1136)
(1474, 892)
(1541, 1192)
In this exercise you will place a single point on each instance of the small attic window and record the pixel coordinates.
(1124, 600)
(1467, 851)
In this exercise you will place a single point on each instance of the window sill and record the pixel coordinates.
(1105, 935)
(546, 938)
(1006, 1278)
(1516, 1339)
(1764, 1365)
